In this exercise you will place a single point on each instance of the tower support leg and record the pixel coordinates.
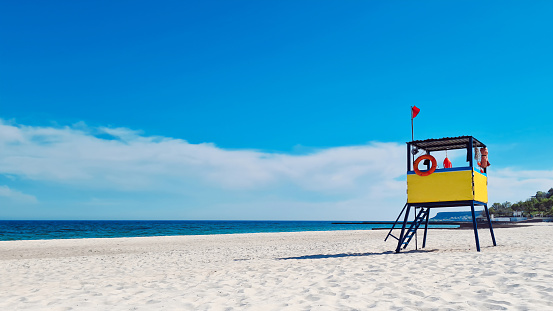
(425, 229)
(415, 233)
(475, 227)
(490, 224)
(400, 241)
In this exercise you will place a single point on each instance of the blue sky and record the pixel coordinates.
(262, 109)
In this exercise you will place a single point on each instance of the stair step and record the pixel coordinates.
(411, 229)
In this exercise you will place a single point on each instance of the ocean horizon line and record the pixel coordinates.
(76, 229)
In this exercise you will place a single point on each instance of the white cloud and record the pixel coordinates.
(130, 161)
(16, 196)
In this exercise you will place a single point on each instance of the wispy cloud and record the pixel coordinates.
(130, 161)
(16, 196)
(515, 185)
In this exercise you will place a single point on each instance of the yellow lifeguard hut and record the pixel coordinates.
(466, 185)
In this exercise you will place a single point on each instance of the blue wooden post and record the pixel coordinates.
(490, 223)
(408, 157)
(469, 152)
(400, 241)
(474, 225)
(425, 228)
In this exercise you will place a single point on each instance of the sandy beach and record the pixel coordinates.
(340, 270)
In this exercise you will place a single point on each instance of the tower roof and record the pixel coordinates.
(446, 143)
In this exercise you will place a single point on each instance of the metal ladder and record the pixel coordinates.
(409, 233)
(421, 216)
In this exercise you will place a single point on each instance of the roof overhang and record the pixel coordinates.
(446, 143)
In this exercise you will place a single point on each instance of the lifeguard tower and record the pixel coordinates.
(444, 187)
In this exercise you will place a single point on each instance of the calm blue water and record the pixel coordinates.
(72, 229)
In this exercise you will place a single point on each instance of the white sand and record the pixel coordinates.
(347, 270)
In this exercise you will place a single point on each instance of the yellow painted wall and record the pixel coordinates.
(480, 187)
(440, 187)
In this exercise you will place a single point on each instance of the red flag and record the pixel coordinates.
(414, 111)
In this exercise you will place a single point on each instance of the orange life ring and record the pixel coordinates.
(427, 172)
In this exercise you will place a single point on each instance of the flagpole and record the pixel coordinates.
(412, 135)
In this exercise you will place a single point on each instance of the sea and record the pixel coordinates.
(81, 229)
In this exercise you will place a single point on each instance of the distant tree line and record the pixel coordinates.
(539, 205)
